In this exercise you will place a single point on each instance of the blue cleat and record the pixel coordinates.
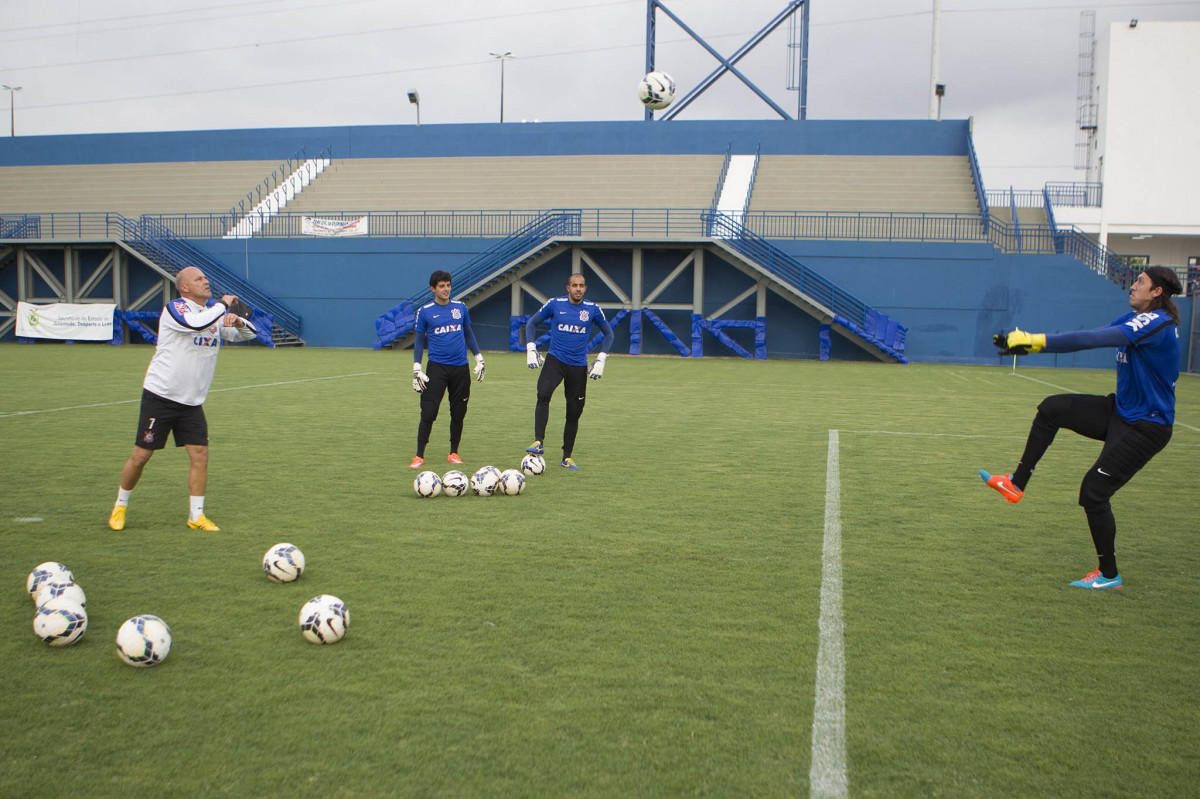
(535, 448)
(1098, 580)
(570, 464)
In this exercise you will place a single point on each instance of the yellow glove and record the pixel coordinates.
(1018, 342)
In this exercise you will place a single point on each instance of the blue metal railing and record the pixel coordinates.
(753, 177)
(156, 241)
(278, 175)
(20, 226)
(1075, 195)
(977, 178)
(1015, 219)
(1050, 220)
(550, 225)
(787, 268)
(1099, 259)
(1031, 198)
(721, 178)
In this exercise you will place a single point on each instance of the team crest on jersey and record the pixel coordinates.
(583, 316)
(148, 438)
(181, 306)
(457, 314)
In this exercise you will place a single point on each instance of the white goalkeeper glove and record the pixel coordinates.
(597, 369)
(479, 368)
(420, 379)
(532, 359)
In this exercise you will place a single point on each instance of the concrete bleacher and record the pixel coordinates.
(130, 189)
(513, 182)
(899, 184)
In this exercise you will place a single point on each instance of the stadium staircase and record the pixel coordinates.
(531, 246)
(485, 274)
(155, 243)
(278, 193)
(813, 293)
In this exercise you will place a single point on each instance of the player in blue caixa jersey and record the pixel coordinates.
(1134, 423)
(445, 326)
(571, 319)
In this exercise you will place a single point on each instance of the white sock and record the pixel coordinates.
(123, 496)
(197, 508)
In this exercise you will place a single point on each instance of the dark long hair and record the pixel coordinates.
(1168, 281)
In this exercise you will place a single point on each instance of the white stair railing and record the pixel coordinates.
(257, 217)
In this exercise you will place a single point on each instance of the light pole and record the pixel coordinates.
(502, 57)
(12, 114)
(414, 97)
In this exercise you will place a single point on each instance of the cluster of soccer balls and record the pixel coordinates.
(484, 483)
(324, 618)
(61, 618)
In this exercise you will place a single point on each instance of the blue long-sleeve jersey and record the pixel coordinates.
(570, 328)
(1147, 362)
(447, 330)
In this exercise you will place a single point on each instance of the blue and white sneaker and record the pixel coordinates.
(535, 448)
(570, 464)
(1098, 580)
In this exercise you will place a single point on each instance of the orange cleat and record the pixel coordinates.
(1004, 484)
(453, 458)
(417, 462)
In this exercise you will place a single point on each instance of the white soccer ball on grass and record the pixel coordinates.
(60, 622)
(283, 563)
(484, 481)
(511, 483)
(533, 464)
(427, 484)
(324, 619)
(48, 572)
(455, 483)
(143, 641)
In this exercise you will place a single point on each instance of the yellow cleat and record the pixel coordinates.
(203, 523)
(116, 519)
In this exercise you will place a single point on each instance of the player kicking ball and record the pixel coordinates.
(1135, 423)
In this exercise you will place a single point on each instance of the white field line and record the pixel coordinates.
(5, 415)
(1044, 383)
(827, 774)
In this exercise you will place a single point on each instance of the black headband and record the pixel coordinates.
(1164, 278)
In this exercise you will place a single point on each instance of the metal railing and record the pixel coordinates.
(1030, 198)
(786, 268)
(977, 178)
(278, 175)
(1075, 195)
(866, 226)
(721, 178)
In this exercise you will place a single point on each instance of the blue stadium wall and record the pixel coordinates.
(952, 297)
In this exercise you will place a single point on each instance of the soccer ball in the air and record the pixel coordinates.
(455, 483)
(657, 90)
(283, 563)
(48, 572)
(60, 590)
(324, 619)
(483, 482)
(143, 641)
(533, 464)
(512, 482)
(427, 484)
(60, 622)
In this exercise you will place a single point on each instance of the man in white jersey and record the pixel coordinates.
(176, 384)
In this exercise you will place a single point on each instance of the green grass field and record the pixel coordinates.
(647, 626)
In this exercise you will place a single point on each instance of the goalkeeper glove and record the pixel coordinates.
(420, 379)
(597, 369)
(532, 359)
(1018, 342)
(478, 367)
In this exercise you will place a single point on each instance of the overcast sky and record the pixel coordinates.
(120, 65)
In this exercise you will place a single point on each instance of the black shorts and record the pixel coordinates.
(159, 416)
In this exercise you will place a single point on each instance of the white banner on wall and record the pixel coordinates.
(66, 321)
(311, 226)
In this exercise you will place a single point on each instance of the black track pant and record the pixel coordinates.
(456, 379)
(1127, 448)
(574, 380)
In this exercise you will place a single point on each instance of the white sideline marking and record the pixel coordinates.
(1044, 383)
(827, 775)
(4, 415)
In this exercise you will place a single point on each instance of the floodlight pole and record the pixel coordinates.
(12, 111)
(502, 57)
(935, 99)
(414, 97)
